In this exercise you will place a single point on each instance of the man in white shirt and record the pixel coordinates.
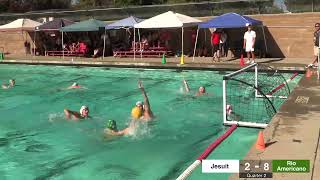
(248, 42)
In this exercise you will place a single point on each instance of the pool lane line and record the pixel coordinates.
(207, 152)
(283, 84)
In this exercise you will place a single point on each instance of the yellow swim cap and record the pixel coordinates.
(136, 113)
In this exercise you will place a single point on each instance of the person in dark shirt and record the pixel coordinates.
(316, 43)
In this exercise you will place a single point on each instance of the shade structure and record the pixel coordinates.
(54, 25)
(84, 26)
(168, 20)
(128, 22)
(20, 25)
(229, 20)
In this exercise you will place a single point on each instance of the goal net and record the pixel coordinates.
(252, 95)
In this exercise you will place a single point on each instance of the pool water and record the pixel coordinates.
(37, 142)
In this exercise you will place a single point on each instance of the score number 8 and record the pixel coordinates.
(265, 166)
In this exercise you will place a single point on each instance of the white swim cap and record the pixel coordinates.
(75, 84)
(139, 103)
(83, 108)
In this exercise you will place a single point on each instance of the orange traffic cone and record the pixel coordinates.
(242, 61)
(260, 142)
(308, 73)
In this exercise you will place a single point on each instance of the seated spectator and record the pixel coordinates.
(165, 36)
(65, 47)
(144, 43)
(83, 48)
(119, 46)
(97, 52)
(72, 47)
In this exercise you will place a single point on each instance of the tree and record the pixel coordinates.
(94, 3)
(32, 5)
(4, 5)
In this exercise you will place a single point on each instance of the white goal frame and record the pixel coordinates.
(240, 123)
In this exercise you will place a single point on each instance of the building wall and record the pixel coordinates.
(290, 35)
(13, 42)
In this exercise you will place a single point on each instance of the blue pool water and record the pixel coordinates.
(37, 142)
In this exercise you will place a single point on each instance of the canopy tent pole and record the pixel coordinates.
(134, 43)
(205, 42)
(140, 43)
(195, 45)
(34, 43)
(182, 41)
(62, 45)
(264, 38)
(24, 37)
(104, 43)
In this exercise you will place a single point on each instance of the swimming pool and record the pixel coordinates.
(36, 142)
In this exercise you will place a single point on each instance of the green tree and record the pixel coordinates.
(32, 5)
(95, 3)
(4, 5)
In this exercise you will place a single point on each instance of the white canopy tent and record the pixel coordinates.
(20, 25)
(167, 20)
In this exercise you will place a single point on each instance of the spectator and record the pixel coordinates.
(215, 41)
(144, 43)
(193, 40)
(223, 44)
(27, 47)
(166, 37)
(83, 48)
(316, 42)
(249, 42)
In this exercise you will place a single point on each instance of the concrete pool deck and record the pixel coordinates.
(292, 134)
(199, 62)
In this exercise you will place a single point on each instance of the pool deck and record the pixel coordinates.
(294, 133)
(198, 63)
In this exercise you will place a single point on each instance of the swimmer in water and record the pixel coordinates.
(82, 114)
(142, 110)
(74, 86)
(113, 130)
(11, 84)
(201, 91)
(231, 115)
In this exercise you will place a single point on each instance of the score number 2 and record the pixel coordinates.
(265, 166)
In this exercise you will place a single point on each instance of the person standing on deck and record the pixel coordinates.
(215, 41)
(316, 43)
(249, 40)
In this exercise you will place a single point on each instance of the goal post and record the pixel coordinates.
(252, 94)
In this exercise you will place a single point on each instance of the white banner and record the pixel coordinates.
(220, 166)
